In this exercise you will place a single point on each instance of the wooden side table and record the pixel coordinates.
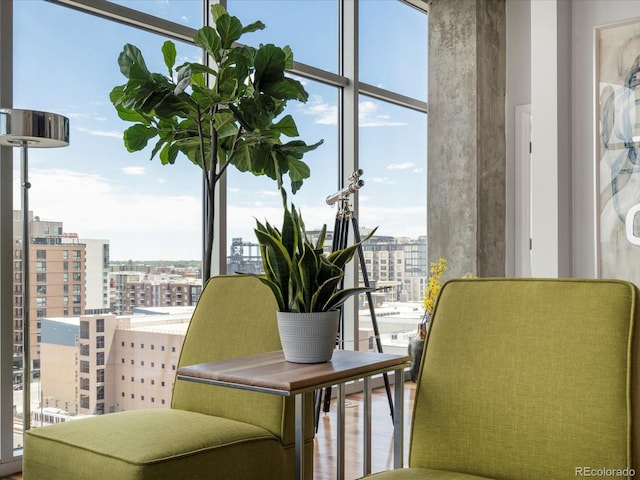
(271, 373)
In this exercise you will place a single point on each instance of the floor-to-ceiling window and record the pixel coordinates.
(99, 210)
(367, 78)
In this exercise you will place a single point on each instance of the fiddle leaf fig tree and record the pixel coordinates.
(229, 112)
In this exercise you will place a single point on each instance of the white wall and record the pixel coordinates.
(518, 93)
(574, 222)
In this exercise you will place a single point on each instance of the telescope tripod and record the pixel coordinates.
(344, 217)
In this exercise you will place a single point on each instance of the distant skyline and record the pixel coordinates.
(148, 211)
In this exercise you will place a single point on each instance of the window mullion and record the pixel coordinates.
(7, 459)
(348, 131)
(131, 17)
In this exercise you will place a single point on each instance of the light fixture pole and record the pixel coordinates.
(24, 129)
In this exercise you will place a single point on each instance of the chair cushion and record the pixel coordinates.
(153, 444)
(423, 474)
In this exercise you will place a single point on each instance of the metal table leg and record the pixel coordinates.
(366, 448)
(398, 419)
(299, 419)
(341, 436)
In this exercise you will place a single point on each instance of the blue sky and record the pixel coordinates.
(66, 62)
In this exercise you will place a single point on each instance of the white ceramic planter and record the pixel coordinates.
(308, 337)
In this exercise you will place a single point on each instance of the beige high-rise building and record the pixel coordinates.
(94, 364)
(57, 282)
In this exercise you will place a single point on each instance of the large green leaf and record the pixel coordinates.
(209, 40)
(255, 113)
(308, 272)
(342, 296)
(132, 63)
(131, 115)
(170, 105)
(157, 147)
(288, 57)
(169, 153)
(269, 65)
(342, 257)
(217, 10)
(242, 158)
(321, 238)
(137, 136)
(276, 260)
(323, 293)
(183, 79)
(287, 88)
(287, 126)
(153, 101)
(253, 27)
(277, 293)
(298, 170)
(240, 62)
(290, 231)
(297, 148)
(229, 28)
(169, 55)
(200, 70)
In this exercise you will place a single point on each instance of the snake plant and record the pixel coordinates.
(302, 277)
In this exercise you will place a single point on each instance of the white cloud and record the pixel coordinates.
(138, 225)
(134, 170)
(87, 116)
(325, 114)
(269, 193)
(407, 221)
(242, 220)
(101, 133)
(400, 166)
(369, 116)
(382, 180)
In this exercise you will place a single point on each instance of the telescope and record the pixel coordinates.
(355, 175)
(353, 187)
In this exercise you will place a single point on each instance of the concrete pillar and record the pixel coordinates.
(466, 136)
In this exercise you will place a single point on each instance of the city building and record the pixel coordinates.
(97, 276)
(398, 266)
(95, 364)
(133, 286)
(57, 270)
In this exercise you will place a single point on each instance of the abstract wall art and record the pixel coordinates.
(617, 149)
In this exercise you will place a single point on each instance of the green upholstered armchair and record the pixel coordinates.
(209, 432)
(528, 379)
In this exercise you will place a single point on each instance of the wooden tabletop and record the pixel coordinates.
(270, 372)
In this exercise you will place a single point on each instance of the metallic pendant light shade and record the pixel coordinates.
(36, 129)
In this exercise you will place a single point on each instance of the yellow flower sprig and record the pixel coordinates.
(436, 270)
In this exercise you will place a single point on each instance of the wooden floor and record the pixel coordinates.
(381, 437)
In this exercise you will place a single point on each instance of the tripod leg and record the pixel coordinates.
(340, 238)
(327, 400)
(317, 397)
(374, 320)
